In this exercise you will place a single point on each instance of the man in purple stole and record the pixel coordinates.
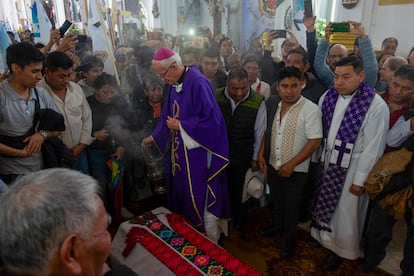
(355, 124)
(193, 134)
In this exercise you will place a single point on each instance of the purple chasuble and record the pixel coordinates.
(333, 176)
(195, 177)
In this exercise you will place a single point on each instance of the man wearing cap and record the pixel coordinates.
(192, 133)
(294, 132)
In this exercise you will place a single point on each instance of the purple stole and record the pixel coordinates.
(333, 176)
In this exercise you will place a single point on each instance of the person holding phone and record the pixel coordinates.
(327, 55)
(270, 69)
(311, 43)
(61, 43)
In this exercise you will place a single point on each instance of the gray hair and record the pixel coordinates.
(39, 211)
(395, 62)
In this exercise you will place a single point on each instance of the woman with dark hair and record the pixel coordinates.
(110, 127)
(90, 68)
(148, 111)
(149, 107)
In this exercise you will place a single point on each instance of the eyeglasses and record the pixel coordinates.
(162, 75)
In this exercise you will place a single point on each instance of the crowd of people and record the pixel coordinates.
(315, 122)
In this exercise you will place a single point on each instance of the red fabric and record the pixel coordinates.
(396, 113)
(157, 110)
(174, 260)
(160, 250)
(259, 87)
(223, 257)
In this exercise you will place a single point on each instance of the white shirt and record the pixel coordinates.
(77, 113)
(308, 126)
(264, 88)
(399, 132)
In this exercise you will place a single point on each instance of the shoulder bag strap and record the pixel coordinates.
(36, 116)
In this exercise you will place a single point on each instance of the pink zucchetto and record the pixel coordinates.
(163, 53)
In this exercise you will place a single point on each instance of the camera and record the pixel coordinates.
(277, 34)
(340, 27)
(65, 27)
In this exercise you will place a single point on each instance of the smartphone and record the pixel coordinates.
(340, 27)
(278, 34)
(308, 8)
(65, 27)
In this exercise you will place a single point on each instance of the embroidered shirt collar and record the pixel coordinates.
(293, 105)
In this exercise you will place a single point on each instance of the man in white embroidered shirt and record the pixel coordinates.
(72, 104)
(294, 132)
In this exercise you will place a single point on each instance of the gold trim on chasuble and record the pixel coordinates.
(175, 143)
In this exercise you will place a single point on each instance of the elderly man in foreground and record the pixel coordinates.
(54, 223)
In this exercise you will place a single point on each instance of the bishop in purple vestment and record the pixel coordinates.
(193, 134)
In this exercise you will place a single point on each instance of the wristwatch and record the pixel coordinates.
(43, 133)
